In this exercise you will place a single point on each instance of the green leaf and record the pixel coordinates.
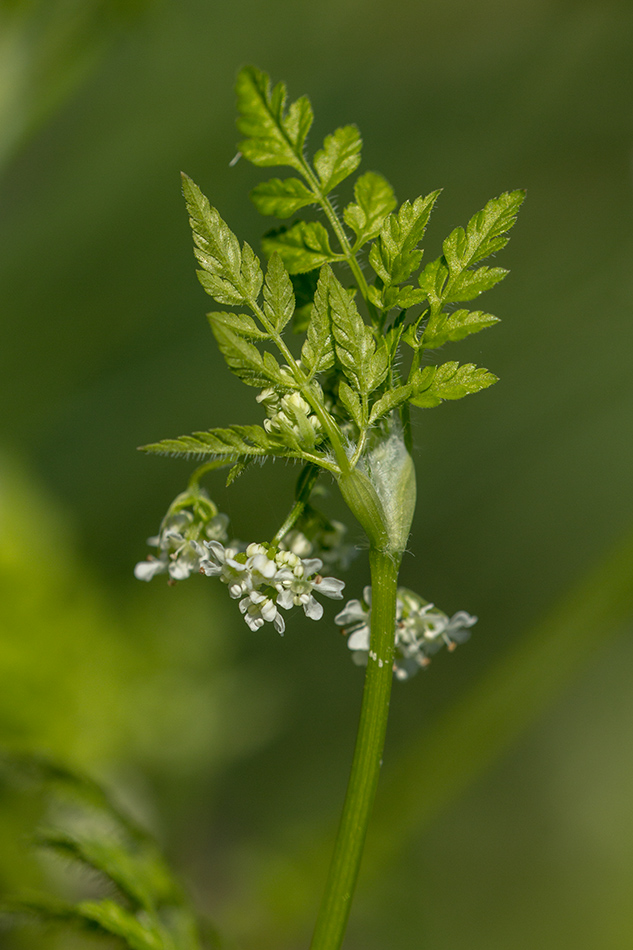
(240, 323)
(432, 279)
(279, 298)
(470, 283)
(395, 255)
(140, 873)
(233, 442)
(352, 403)
(303, 247)
(281, 198)
(339, 157)
(98, 917)
(304, 286)
(243, 358)
(390, 401)
(273, 137)
(375, 199)
(485, 233)
(364, 366)
(108, 916)
(456, 326)
(433, 384)
(317, 353)
(229, 275)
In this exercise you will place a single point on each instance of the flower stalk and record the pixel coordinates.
(370, 740)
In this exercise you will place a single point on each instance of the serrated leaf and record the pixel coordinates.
(355, 345)
(99, 917)
(352, 403)
(456, 326)
(449, 381)
(303, 247)
(375, 199)
(339, 157)
(230, 275)
(281, 198)
(390, 401)
(408, 296)
(141, 876)
(470, 283)
(251, 273)
(272, 136)
(279, 298)
(233, 443)
(113, 919)
(485, 233)
(240, 323)
(243, 358)
(432, 279)
(317, 353)
(395, 254)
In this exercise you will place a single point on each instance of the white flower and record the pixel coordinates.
(296, 580)
(355, 618)
(179, 551)
(421, 630)
(257, 608)
(221, 562)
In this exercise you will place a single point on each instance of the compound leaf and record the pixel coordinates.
(339, 157)
(364, 367)
(302, 247)
(317, 353)
(281, 198)
(279, 298)
(470, 283)
(449, 327)
(375, 199)
(352, 403)
(233, 442)
(230, 275)
(390, 401)
(240, 323)
(485, 233)
(395, 255)
(273, 137)
(433, 384)
(243, 358)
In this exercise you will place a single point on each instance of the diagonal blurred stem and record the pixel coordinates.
(449, 755)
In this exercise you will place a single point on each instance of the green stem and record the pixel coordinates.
(361, 789)
(339, 231)
(305, 484)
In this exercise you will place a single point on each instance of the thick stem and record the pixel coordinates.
(361, 789)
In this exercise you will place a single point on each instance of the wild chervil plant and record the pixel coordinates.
(352, 286)
(341, 408)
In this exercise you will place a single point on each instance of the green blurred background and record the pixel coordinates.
(235, 746)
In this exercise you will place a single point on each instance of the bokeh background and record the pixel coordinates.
(504, 818)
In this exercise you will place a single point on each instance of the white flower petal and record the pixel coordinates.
(145, 570)
(359, 639)
(312, 565)
(330, 587)
(351, 613)
(313, 609)
(285, 599)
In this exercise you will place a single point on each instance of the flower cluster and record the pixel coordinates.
(290, 416)
(321, 538)
(264, 579)
(421, 630)
(192, 518)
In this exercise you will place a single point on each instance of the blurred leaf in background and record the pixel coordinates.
(105, 347)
